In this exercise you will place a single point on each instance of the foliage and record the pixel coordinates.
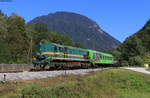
(144, 35)
(136, 61)
(147, 58)
(19, 41)
(116, 54)
(43, 34)
(137, 47)
(79, 45)
(131, 49)
(124, 63)
(148, 68)
(13, 39)
(17, 38)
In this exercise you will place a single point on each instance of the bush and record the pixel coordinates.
(136, 61)
(124, 63)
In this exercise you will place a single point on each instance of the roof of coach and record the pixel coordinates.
(102, 53)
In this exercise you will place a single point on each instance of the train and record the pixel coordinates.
(55, 56)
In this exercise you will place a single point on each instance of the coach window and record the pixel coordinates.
(100, 56)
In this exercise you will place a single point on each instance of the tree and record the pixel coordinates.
(79, 45)
(147, 58)
(18, 42)
(124, 63)
(144, 35)
(40, 27)
(1, 13)
(43, 34)
(132, 47)
(17, 38)
(3, 26)
(116, 54)
(136, 61)
(60, 39)
(4, 50)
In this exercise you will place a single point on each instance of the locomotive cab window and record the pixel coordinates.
(60, 49)
(55, 49)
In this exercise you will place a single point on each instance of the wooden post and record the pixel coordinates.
(4, 78)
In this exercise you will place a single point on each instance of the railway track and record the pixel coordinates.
(16, 68)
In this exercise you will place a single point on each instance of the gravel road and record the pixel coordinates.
(138, 69)
(43, 74)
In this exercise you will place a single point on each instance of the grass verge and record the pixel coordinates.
(111, 83)
(148, 69)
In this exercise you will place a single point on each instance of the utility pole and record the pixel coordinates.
(29, 56)
(31, 51)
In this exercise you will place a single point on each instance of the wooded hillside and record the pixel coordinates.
(18, 41)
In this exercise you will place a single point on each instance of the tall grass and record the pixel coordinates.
(111, 83)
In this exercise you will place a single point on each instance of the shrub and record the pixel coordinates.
(124, 63)
(136, 61)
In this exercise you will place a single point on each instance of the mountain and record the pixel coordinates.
(79, 28)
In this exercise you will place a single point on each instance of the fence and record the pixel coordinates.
(15, 67)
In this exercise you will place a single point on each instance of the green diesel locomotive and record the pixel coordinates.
(51, 55)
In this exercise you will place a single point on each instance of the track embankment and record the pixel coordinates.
(43, 74)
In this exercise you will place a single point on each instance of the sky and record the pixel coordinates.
(119, 18)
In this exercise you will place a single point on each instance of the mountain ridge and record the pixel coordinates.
(79, 28)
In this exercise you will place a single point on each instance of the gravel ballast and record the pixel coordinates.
(43, 74)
